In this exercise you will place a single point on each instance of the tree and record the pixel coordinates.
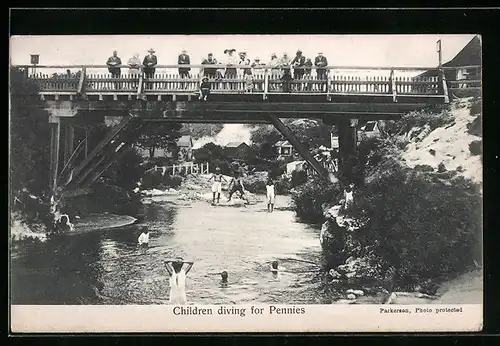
(160, 136)
(29, 136)
(198, 131)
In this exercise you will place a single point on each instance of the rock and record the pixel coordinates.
(441, 168)
(334, 274)
(351, 296)
(355, 292)
(345, 301)
(432, 152)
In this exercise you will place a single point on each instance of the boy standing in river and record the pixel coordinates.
(270, 195)
(217, 185)
(236, 185)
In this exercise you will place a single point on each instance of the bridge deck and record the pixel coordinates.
(264, 81)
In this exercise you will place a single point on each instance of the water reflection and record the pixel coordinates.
(108, 267)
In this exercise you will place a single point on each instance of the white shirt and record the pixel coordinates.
(270, 189)
(143, 238)
(177, 288)
(233, 60)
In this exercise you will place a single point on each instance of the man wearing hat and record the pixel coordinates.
(232, 61)
(244, 61)
(114, 63)
(184, 60)
(274, 72)
(209, 72)
(258, 67)
(299, 61)
(150, 63)
(321, 63)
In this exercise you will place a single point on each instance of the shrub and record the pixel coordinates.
(475, 148)
(419, 225)
(308, 200)
(298, 178)
(441, 167)
(434, 117)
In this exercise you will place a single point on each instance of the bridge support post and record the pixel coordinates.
(55, 137)
(69, 135)
(347, 147)
(285, 131)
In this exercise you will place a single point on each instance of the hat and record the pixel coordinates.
(210, 54)
(151, 50)
(274, 55)
(320, 52)
(299, 51)
(257, 58)
(242, 53)
(229, 50)
(204, 78)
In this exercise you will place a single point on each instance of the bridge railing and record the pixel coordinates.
(265, 80)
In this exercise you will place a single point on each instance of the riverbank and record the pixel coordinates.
(417, 205)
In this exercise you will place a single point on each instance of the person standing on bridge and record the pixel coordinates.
(321, 63)
(134, 64)
(231, 61)
(208, 71)
(307, 73)
(274, 72)
(114, 63)
(286, 77)
(149, 64)
(184, 59)
(298, 63)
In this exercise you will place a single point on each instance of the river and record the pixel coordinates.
(107, 267)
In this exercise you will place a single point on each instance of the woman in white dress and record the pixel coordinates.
(178, 270)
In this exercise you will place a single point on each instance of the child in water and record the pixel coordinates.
(217, 185)
(178, 270)
(144, 237)
(270, 195)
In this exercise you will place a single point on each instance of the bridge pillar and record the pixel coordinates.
(69, 135)
(347, 147)
(55, 136)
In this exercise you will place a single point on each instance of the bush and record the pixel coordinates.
(434, 117)
(308, 201)
(419, 225)
(475, 148)
(298, 178)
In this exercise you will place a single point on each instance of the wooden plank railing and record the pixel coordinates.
(266, 81)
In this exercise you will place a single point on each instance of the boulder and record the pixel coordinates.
(351, 296)
(355, 292)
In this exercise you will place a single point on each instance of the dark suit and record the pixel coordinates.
(321, 63)
(149, 63)
(298, 61)
(184, 60)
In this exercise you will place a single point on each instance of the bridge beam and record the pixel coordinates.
(347, 147)
(55, 137)
(69, 136)
(304, 152)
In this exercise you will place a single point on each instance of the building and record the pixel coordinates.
(237, 150)
(284, 148)
(469, 56)
(369, 130)
(185, 145)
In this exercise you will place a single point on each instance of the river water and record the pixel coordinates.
(107, 266)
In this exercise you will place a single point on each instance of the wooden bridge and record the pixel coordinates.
(343, 97)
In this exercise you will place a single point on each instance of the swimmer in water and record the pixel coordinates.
(274, 267)
(144, 237)
(223, 281)
(178, 269)
(217, 185)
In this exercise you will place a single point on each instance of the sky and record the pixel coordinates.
(341, 50)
